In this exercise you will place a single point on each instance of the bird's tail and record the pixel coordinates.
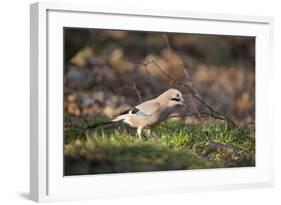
(99, 125)
(117, 119)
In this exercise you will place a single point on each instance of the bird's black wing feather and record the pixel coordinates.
(98, 125)
(130, 111)
(125, 112)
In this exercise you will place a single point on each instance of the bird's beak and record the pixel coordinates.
(182, 101)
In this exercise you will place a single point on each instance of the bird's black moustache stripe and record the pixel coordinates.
(175, 99)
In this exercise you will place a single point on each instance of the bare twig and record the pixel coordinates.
(217, 146)
(201, 114)
(193, 91)
(168, 75)
(195, 107)
(188, 85)
(184, 70)
(145, 64)
(133, 87)
(137, 92)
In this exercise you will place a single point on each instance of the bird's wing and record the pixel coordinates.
(147, 108)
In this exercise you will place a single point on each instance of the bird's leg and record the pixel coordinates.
(152, 134)
(147, 132)
(139, 132)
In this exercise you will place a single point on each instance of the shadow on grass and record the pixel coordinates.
(132, 158)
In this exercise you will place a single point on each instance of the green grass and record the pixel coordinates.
(174, 145)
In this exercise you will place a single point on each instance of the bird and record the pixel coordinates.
(150, 113)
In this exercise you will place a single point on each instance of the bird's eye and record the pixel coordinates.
(178, 95)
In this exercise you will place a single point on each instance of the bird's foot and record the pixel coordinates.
(150, 134)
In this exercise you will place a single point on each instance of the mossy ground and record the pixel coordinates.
(174, 145)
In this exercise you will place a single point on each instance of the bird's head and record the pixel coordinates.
(173, 97)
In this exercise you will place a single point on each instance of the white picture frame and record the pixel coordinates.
(47, 182)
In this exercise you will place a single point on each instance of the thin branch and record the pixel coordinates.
(217, 146)
(188, 85)
(184, 70)
(144, 64)
(194, 92)
(202, 114)
(194, 106)
(133, 87)
(137, 92)
(169, 76)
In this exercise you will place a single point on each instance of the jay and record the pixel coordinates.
(150, 113)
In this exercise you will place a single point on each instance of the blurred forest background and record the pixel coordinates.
(107, 72)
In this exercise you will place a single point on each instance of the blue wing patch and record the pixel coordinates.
(138, 112)
(141, 113)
